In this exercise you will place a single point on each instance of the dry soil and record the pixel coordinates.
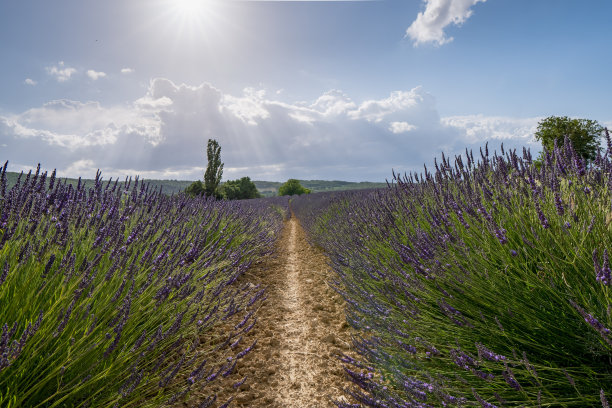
(301, 329)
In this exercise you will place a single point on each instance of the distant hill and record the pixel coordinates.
(266, 188)
(270, 188)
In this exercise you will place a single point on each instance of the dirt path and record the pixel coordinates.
(300, 330)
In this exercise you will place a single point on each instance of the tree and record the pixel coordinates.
(214, 169)
(584, 134)
(292, 187)
(195, 189)
(212, 175)
(240, 189)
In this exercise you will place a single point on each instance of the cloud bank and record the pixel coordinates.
(438, 14)
(163, 134)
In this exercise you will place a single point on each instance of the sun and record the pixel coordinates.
(189, 7)
(192, 8)
(193, 21)
(188, 13)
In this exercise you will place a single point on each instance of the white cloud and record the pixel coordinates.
(30, 81)
(94, 75)
(127, 70)
(401, 127)
(398, 101)
(249, 107)
(438, 14)
(479, 127)
(61, 72)
(163, 134)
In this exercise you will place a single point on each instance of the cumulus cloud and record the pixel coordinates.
(94, 75)
(401, 127)
(29, 81)
(480, 127)
(61, 72)
(163, 134)
(127, 70)
(438, 14)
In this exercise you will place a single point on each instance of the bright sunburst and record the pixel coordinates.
(188, 7)
(192, 12)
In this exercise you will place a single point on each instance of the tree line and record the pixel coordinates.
(240, 189)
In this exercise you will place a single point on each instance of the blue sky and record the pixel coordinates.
(303, 89)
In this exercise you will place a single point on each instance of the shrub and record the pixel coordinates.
(292, 187)
(195, 189)
(240, 189)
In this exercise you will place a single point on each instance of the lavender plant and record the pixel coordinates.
(485, 282)
(122, 296)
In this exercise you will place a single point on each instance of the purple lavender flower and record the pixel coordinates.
(541, 216)
(596, 324)
(5, 271)
(569, 378)
(239, 383)
(510, 380)
(483, 403)
(559, 204)
(488, 354)
(246, 350)
(593, 322)
(603, 273)
(500, 233)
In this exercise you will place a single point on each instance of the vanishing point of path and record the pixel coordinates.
(300, 328)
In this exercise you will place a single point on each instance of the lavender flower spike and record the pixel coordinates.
(604, 275)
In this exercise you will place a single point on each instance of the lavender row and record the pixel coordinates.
(121, 295)
(484, 282)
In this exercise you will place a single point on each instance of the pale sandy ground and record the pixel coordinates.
(300, 328)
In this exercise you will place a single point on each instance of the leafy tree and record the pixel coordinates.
(195, 189)
(584, 134)
(214, 169)
(240, 189)
(212, 175)
(292, 187)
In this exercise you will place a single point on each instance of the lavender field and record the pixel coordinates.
(123, 297)
(482, 282)
(305, 204)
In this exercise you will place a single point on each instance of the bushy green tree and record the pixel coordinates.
(584, 134)
(195, 189)
(240, 189)
(292, 187)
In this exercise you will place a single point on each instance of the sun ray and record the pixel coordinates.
(192, 12)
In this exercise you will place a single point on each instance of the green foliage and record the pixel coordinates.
(265, 188)
(492, 286)
(214, 169)
(195, 189)
(270, 188)
(240, 189)
(292, 187)
(584, 134)
(91, 314)
(212, 175)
